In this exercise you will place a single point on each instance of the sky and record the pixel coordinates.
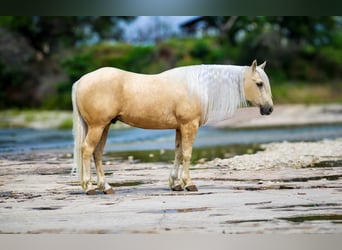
(146, 25)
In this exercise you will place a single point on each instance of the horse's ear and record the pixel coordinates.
(263, 65)
(254, 65)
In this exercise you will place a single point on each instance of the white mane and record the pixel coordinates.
(219, 88)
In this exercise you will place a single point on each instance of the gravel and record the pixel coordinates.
(285, 154)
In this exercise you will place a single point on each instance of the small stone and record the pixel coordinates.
(131, 159)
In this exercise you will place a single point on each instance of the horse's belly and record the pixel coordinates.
(151, 120)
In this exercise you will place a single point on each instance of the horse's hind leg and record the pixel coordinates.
(174, 178)
(92, 139)
(101, 183)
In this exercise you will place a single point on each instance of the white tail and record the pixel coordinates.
(79, 131)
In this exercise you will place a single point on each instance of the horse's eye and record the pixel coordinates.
(259, 84)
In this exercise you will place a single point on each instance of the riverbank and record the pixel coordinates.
(287, 188)
(283, 115)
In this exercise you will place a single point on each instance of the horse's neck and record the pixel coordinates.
(221, 91)
(226, 72)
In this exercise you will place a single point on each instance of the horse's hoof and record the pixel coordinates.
(91, 192)
(109, 191)
(177, 188)
(191, 188)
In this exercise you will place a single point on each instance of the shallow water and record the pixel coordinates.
(134, 139)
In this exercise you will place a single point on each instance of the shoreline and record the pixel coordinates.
(283, 115)
(247, 126)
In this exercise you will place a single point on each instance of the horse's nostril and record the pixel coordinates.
(266, 110)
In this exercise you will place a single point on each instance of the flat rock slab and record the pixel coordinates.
(38, 195)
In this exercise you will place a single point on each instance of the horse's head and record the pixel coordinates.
(257, 88)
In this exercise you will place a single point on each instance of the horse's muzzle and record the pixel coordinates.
(266, 109)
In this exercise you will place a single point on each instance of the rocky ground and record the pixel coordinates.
(287, 188)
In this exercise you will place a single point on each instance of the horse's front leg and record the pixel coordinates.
(174, 177)
(188, 133)
(101, 182)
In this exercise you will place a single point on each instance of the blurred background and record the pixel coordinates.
(42, 56)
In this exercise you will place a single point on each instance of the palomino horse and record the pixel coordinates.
(182, 98)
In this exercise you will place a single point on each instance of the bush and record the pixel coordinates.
(200, 49)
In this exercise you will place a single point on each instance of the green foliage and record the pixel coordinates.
(331, 55)
(89, 58)
(61, 32)
(11, 86)
(66, 124)
(302, 92)
(200, 49)
(124, 56)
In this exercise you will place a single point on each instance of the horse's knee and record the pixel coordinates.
(86, 151)
(186, 159)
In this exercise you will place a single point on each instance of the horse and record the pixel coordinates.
(182, 98)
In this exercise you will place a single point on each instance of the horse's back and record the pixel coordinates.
(116, 75)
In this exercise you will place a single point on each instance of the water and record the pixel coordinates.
(134, 139)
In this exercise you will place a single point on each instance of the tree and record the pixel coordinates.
(50, 34)
(301, 29)
(303, 47)
(31, 48)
